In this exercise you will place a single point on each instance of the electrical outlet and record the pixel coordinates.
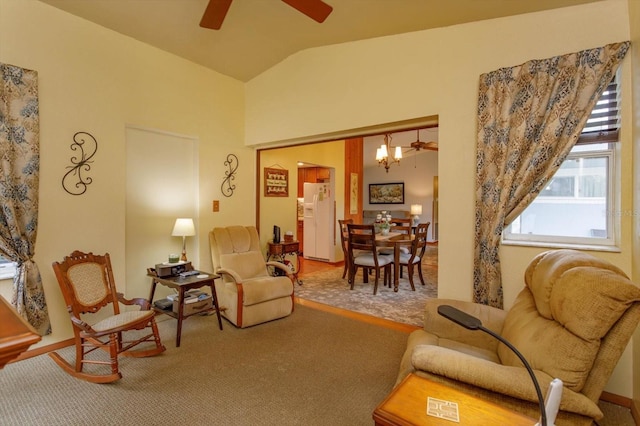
(216, 206)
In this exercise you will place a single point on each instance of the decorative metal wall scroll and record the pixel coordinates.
(73, 181)
(227, 187)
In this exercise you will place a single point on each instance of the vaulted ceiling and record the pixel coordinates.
(258, 34)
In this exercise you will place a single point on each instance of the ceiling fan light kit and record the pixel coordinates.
(216, 11)
(382, 154)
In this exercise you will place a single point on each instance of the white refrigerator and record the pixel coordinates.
(319, 221)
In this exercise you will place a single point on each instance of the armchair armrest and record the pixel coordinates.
(497, 378)
(492, 318)
(280, 266)
(233, 274)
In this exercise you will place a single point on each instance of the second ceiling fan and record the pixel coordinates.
(216, 11)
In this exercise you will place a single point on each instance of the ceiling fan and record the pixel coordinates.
(216, 11)
(418, 144)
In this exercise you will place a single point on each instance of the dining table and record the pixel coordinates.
(395, 240)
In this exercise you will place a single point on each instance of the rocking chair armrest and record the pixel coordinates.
(80, 324)
(140, 301)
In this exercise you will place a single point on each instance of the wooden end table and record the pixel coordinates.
(182, 285)
(279, 251)
(407, 405)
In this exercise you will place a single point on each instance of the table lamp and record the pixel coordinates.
(183, 228)
(416, 211)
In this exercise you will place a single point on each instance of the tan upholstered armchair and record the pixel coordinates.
(248, 293)
(572, 320)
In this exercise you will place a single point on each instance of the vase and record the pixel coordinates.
(385, 231)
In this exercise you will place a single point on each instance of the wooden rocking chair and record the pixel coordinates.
(87, 284)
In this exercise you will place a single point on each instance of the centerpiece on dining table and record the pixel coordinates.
(383, 223)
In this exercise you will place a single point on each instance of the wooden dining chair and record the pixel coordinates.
(87, 284)
(415, 256)
(344, 241)
(401, 229)
(363, 238)
(404, 221)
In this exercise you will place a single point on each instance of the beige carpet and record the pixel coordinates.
(311, 368)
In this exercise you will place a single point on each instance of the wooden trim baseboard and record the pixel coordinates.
(616, 399)
(635, 411)
(405, 328)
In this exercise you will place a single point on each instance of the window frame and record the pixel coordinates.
(609, 134)
(606, 243)
(7, 269)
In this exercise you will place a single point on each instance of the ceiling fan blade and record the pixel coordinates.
(214, 14)
(314, 9)
(418, 145)
(432, 146)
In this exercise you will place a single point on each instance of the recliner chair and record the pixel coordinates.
(573, 320)
(247, 292)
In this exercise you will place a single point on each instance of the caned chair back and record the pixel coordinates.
(86, 281)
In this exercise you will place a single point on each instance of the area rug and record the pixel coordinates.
(405, 306)
(310, 368)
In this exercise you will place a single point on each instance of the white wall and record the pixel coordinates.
(426, 73)
(95, 80)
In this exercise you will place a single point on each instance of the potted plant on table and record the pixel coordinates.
(383, 222)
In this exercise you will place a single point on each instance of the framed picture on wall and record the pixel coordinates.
(386, 193)
(276, 182)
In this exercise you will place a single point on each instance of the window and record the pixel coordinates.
(575, 207)
(7, 269)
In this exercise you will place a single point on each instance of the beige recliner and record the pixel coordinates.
(572, 321)
(248, 293)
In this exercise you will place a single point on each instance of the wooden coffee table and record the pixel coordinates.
(407, 405)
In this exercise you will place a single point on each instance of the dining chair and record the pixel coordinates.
(415, 256)
(344, 241)
(401, 229)
(363, 238)
(401, 221)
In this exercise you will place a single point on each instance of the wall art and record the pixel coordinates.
(227, 187)
(74, 182)
(386, 193)
(276, 182)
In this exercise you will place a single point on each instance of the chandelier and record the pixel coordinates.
(382, 154)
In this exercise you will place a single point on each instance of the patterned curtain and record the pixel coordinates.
(529, 118)
(19, 176)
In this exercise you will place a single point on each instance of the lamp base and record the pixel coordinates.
(416, 220)
(184, 249)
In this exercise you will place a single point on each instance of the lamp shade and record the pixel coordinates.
(183, 228)
(416, 209)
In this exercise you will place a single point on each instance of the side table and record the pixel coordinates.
(182, 285)
(407, 405)
(279, 251)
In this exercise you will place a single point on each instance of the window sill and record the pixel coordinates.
(590, 247)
